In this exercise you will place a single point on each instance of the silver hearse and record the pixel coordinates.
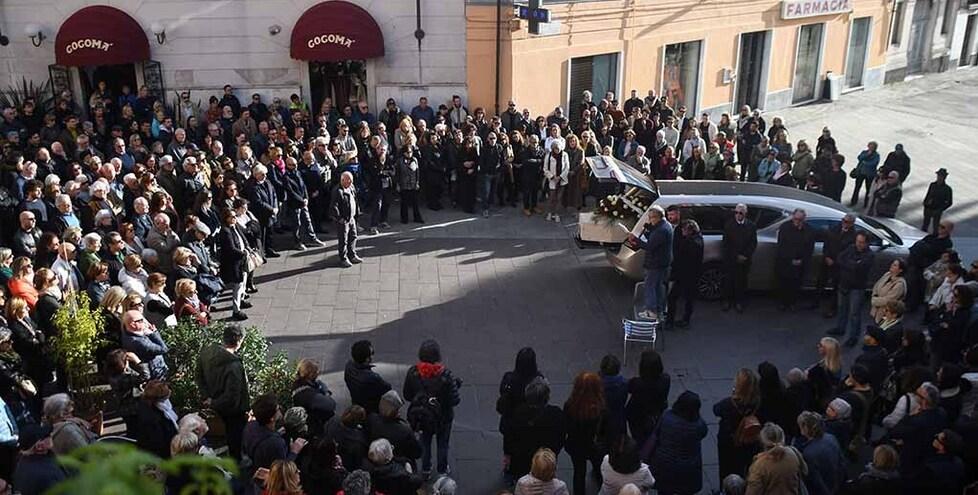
(711, 204)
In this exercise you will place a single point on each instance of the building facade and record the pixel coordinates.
(709, 56)
(930, 36)
(346, 50)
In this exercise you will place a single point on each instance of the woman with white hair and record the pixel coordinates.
(68, 431)
(386, 474)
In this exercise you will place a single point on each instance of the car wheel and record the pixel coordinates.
(711, 282)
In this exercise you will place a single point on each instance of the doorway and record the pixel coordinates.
(115, 77)
(807, 62)
(752, 62)
(343, 82)
(856, 52)
(919, 47)
(681, 74)
(969, 37)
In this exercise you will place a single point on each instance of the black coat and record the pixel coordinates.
(262, 199)
(646, 402)
(232, 254)
(341, 205)
(795, 243)
(835, 240)
(295, 189)
(365, 385)
(688, 262)
(733, 458)
(917, 433)
(47, 305)
(446, 390)
(739, 239)
(938, 196)
(30, 343)
(351, 443)
(533, 428)
(875, 360)
(398, 432)
(393, 479)
(318, 402)
(928, 250)
(874, 482)
(153, 430)
(678, 459)
(854, 266)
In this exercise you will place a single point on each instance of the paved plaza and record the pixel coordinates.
(486, 287)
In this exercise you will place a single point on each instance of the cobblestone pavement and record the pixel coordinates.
(486, 287)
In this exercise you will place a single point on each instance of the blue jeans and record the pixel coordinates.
(655, 289)
(851, 303)
(442, 436)
(485, 190)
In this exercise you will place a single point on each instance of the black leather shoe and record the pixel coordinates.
(246, 305)
(272, 254)
(238, 316)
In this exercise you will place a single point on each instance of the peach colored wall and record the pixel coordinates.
(639, 31)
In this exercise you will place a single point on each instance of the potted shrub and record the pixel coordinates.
(79, 334)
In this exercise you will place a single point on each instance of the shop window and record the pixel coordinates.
(681, 74)
(896, 27)
(597, 73)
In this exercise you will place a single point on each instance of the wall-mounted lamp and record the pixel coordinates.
(159, 30)
(4, 41)
(36, 35)
(274, 29)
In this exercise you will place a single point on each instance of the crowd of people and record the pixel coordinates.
(158, 220)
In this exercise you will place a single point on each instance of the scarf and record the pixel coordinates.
(194, 301)
(167, 409)
(430, 370)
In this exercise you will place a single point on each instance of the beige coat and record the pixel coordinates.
(778, 471)
(887, 288)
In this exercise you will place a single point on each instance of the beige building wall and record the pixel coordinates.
(639, 30)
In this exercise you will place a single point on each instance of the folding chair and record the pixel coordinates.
(638, 331)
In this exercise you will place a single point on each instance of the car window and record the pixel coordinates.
(821, 227)
(764, 217)
(711, 218)
(874, 240)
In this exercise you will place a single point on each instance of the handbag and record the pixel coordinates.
(253, 259)
(854, 173)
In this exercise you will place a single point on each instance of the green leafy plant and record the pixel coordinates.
(79, 335)
(266, 374)
(14, 96)
(121, 469)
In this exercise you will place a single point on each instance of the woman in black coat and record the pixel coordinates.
(311, 394)
(677, 458)
(154, 428)
(29, 343)
(776, 407)
(648, 396)
(511, 393)
(233, 261)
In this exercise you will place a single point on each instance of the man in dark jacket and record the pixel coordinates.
(489, 162)
(656, 240)
(943, 471)
(432, 391)
(260, 192)
(365, 385)
(686, 269)
(388, 423)
(914, 433)
(343, 211)
(261, 443)
(886, 199)
(223, 385)
(897, 161)
(297, 198)
(922, 254)
(937, 200)
(739, 243)
(822, 453)
(796, 242)
(854, 263)
(835, 240)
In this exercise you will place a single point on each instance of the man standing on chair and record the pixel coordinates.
(656, 240)
(344, 212)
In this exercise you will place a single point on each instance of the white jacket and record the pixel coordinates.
(550, 170)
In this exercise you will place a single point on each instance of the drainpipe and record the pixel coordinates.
(499, 22)
(419, 34)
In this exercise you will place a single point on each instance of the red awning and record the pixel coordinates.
(100, 35)
(336, 30)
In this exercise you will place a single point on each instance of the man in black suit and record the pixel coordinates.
(344, 211)
(796, 243)
(260, 192)
(739, 243)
